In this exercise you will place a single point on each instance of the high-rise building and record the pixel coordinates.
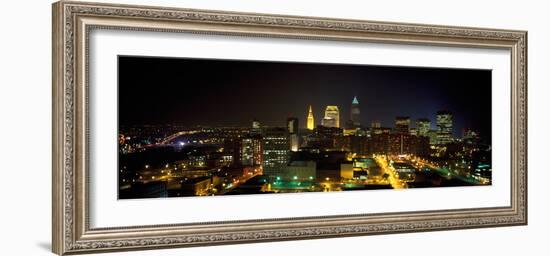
(379, 143)
(423, 126)
(355, 114)
(399, 144)
(432, 135)
(332, 117)
(256, 127)
(444, 127)
(276, 149)
(292, 128)
(292, 125)
(376, 124)
(380, 130)
(251, 151)
(255, 124)
(470, 136)
(310, 119)
(359, 145)
(328, 122)
(233, 147)
(402, 124)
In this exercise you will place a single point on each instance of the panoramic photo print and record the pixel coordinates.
(210, 127)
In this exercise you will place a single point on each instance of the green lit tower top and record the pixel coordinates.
(355, 112)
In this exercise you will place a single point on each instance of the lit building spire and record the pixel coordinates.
(355, 113)
(355, 101)
(310, 119)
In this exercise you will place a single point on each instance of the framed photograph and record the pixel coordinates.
(178, 127)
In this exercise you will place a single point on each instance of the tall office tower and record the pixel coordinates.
(432, 135)
(328, 122)
(310, 119)
(470, 136)
(256, 127)
(444, 127)
(355, 112)
(251, 151)
(423, 126)
(332, 117)
(402, 124)
(376, 124)
(275, 148)
(292, 127)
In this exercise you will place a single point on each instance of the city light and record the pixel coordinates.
(251, 142)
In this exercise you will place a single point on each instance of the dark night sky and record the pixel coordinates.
(219, 92)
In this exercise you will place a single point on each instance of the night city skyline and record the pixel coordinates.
(183, 86)
(201, 127)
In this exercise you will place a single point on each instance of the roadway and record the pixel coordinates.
(444, 172)
(393, 176)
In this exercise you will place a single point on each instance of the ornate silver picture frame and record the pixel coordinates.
(72, 24)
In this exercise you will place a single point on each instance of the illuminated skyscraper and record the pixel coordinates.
(355, 112)
(332, 117)
(255, 124)
(276, 148)
(376, 124)
(444, 127)
(470, 136)
(423, 126)
(402, 124)
(292, 127)
(251, 146)
(432, 135)
(310, 119)
(256, 127)
(251, 151)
